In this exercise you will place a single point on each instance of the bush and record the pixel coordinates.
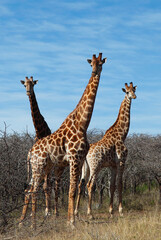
(142, 170)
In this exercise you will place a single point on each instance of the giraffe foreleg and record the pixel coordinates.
(121, 151)
(90, 186)
(39, 172)
(58, 174)
(37, 181)
(47, 186)
(81, 186)
(120, 170)
(26, 203)
(78, 197)
(75, 169)
(47, 190)
(112, 189)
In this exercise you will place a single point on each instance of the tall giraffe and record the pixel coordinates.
(67, 146)
(103, 154)
(41, 128)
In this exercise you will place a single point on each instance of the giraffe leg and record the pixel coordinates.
(56, 190)
(58, 174)
(82, 183)
(112, 189)
(74, 176)
(90, 186)
(79, 196)
(26, 203)
(119, 186)
(47, 186)
(47, 190)
(121, 151)
(39, 172)
(34, 199)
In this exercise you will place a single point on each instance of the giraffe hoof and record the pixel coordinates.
(47, 215)
(121, 214)
(76, 214)
(47, 212)
(56, 214)
(71, 225)
(111, 212)
(20, 225)
(33, 227)
(90, 217)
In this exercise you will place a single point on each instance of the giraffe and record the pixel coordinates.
(41, 127)
(104, 152)
(42, 130)
(66, 146)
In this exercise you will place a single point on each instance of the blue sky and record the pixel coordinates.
(51, 40)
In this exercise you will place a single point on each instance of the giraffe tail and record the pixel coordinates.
(28, 166)
(85, 171)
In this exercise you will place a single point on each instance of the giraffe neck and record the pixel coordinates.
(41, 127)
(84, 109)
(122, 123)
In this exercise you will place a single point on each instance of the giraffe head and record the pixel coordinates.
(96, 63)
(130, 90)
(29, 85)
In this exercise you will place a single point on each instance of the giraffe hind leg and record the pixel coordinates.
(47, 187)
(90, 186)
(37, 181)
(58, 174)
(47, 191)
(79, 196)
(56, 189)
(26, 203)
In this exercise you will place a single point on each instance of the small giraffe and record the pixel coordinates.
(42, 130)
(67, 146)
(103, 154)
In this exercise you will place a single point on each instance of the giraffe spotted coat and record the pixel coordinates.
(111, 152)
(68, 145)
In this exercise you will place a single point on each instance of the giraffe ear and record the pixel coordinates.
(135, 88)
(89, 61)
(23, 82)
(123, 89)
(104, 60)
(35, 82)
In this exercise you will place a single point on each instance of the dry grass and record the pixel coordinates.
(141, 220)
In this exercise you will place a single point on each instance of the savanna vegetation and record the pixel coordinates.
(141, 194)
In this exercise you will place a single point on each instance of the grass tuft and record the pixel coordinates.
(141, 220)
